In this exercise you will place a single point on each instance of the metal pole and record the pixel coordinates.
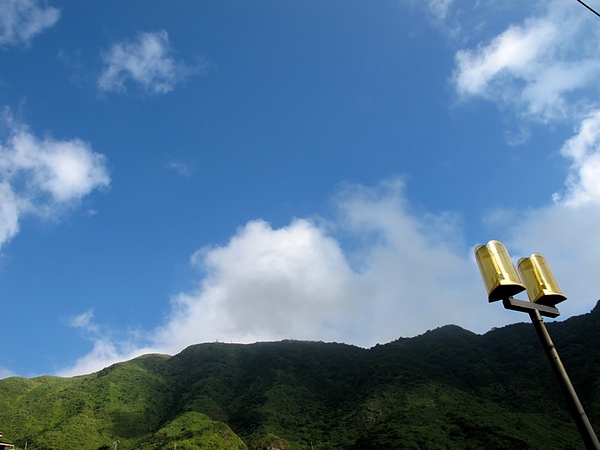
(583, 424)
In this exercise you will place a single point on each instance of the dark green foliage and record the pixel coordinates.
(446, 389)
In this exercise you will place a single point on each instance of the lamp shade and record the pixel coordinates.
(541, 285)
(497, 270)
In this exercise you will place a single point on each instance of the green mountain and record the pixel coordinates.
(446, 389)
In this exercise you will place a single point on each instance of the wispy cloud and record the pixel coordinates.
(84, 322)
(102, 355)
(536, 66)
(181, 168)
(22, 20)
(566, 229)
(6, 373)
(545, 69)
(583, 149)
(147, 61)
(439, 8)
(43, 177)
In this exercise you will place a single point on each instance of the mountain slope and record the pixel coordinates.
(448, 388)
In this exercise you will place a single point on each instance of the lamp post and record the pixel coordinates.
(502, 283)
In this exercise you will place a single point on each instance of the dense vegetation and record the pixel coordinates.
(448, 388)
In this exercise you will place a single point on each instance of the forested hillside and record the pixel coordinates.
(448, 388)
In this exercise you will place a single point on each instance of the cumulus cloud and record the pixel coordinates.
(147, 61)
(21, 20)
(380, 269)
(43, 177)
(375, 271)
(371, 274)
(535, 66)
(267, 284)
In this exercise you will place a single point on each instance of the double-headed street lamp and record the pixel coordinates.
(503, 282)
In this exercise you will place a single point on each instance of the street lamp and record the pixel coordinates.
(502, 282)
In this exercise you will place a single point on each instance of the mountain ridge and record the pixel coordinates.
(446, 388)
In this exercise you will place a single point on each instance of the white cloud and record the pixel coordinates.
(567, 236)
(106, 350)
(67, 170)
(181, 168)
(536, 66)
(148, 61)
(21, 20)
(546, 68)
(566, 231)
(512, 52)
(102, 355)
(401, 275)
(84, 322)
(43, 177)
(419, 272)
(9, 213)
(439, 7)
(583, 183)
(6, 373)
(267, 284)
(379, 270)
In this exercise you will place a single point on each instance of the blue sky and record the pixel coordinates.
(242, 171)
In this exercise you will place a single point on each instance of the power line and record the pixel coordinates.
(590, 8)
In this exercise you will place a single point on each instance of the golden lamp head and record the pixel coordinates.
(541, 285)
(497, 270)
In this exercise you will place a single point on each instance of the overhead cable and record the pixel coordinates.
(590, 8)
